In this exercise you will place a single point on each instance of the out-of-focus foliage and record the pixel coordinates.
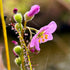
(67, 0)
(22, 5)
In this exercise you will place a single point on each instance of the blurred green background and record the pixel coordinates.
(54, 55)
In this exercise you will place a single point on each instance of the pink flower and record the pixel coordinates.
(43, 35)
(34, 10)
(16, 43)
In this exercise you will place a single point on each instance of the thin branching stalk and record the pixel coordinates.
(30, 33)
(27, 49)
(27, 54)
(33, 29)
(22, 53)
(22, 42)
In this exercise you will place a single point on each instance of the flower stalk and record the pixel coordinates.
(27, 49)
(34, 29)
(22, 53)
(25, 24)
(22, 59)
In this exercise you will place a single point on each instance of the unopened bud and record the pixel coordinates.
(30, 14)
(15, 10)
(28, 18)
(17, 49)
(18, 27)
(18, 17)
(18, 61)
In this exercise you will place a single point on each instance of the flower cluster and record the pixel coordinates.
(28, 41)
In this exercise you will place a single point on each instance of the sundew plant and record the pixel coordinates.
(29, 37)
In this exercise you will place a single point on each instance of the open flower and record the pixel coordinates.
(43, 35)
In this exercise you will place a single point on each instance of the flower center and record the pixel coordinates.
(43, 38)
(40, 34)
(46, 36)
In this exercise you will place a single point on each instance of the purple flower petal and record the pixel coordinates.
(32, 43)
(37, 45)
(34, 10)
(50, 28)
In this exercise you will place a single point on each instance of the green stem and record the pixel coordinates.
(33, 29)
(28, 56)
(25, 24)
(30, 33)
(27, 49)
(22, 54)
(27, 53)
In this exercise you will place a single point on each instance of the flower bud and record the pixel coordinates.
(17, 49)
(18, 17)
(30, 14)
(18, 61)
(28, 18)
(34, 10)
(16, 43)
(18, 27)
(15, 10)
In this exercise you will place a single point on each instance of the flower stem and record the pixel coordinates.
(22, 54)
(28, 56)
(27, 49)
(25, 24)
(23, 42)
(33, 29)
(30, 33)
(22, 59)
